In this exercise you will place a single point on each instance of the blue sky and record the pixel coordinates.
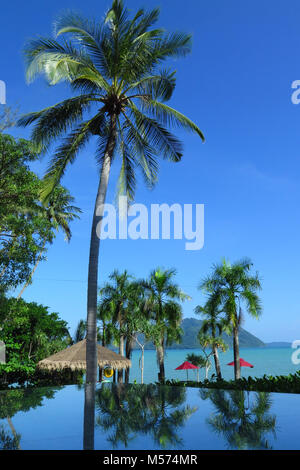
(236, 85)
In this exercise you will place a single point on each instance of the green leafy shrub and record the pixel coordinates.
(280, 384)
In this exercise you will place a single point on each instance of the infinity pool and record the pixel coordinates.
(149, 417)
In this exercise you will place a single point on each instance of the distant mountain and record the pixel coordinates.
(191, 327)
(279, 344)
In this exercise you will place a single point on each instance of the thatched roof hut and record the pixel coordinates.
(74, 358)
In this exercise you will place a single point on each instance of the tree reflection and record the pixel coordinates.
(131, 410)
(89, 416)
(8, 442)
(244, 425)
(13, 401)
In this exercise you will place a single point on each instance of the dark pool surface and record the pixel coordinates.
(149, 417)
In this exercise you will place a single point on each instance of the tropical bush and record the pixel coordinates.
(268, 383)
(29, 331)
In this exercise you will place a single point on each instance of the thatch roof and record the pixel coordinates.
(74, 357)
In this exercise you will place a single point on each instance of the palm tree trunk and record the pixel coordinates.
(121, 352)
(236, 352)
(129, 345)
(142, 365)
(161, 362)
(217, 361)
(206, 371)
(91, 338)
(33, 270)
(141, 360)
(104, 345)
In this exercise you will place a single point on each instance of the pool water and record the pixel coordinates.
(148, 417)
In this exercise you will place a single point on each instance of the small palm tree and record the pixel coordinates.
(114, 69)
(197, 360)
(213, 324)
(80, 332)
(105, 317)
(236, 287)
(164, 311)
(59, 211)
(115, 300)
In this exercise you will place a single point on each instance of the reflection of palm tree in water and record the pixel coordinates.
(133, 410)
(117, 412)
(7, 442)
(168, 416)
(243, 425)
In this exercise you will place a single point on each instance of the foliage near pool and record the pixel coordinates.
(16, 375)
(268, 383)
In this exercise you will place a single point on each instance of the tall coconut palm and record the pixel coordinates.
(165, 311)
(113, 66)
(237, 287)
(60, 212)
(213, 326)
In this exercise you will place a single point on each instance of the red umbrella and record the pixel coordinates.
(186, 365)
(243, 363)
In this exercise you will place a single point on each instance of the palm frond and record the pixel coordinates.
(144, 153)
(66, 154)
(170, 116)
(159, 138)
(56, 119)
(56, 61)
(89, 34)
(159, 86)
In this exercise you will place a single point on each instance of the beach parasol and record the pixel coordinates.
(243, 363)
(186, 365)
(74, 358)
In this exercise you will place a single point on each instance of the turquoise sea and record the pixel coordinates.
(270, 361)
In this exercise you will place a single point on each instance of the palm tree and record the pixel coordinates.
(138, 327)
(212, 324)
(165, 312)
(115, 300)
(59, 211)
(197, 360)
(137, 323)
(106, 329)
(80, 332)
(236, 286)
(114, 69)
